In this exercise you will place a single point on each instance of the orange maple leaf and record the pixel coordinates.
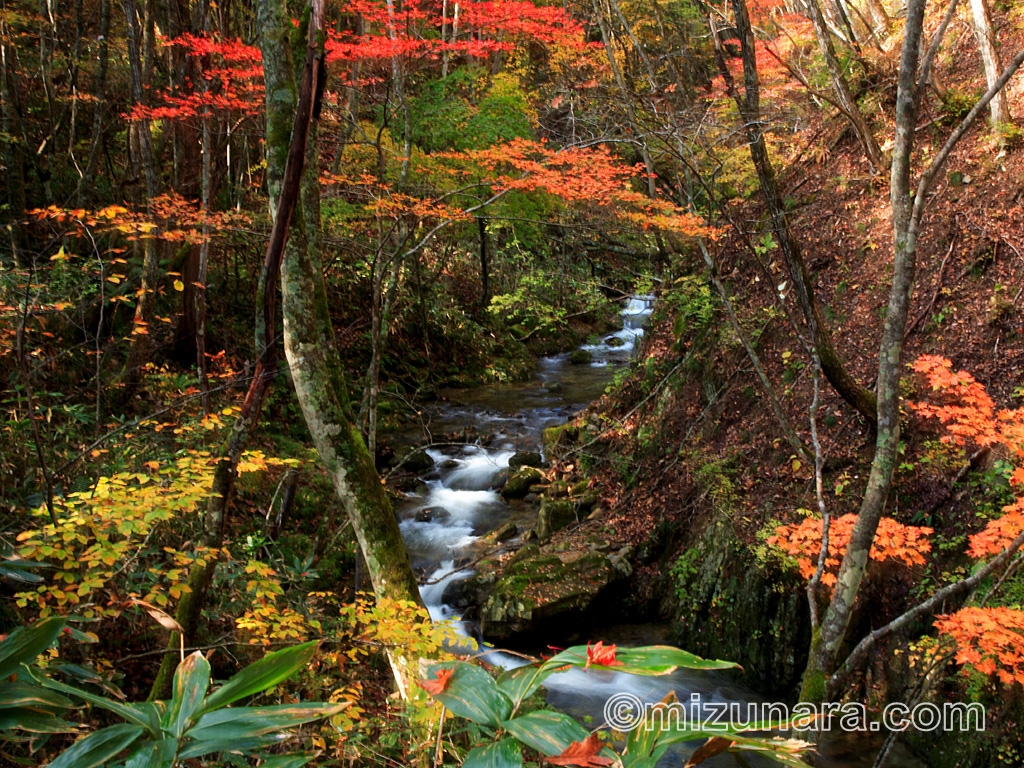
(581, 753)
(439, 683)
(602, 655)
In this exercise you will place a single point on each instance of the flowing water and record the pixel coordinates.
(457, 505)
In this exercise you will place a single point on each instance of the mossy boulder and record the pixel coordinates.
(525, 459)
(581, 357)
(560, 437)
(418, 461)
(543, 589)
(519, 482)
(731, 604)
(554, 515)
(615, 341)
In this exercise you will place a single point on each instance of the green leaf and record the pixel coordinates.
(22, 694)
(34, 721)
(645, 660)
(25, 643)
(244, 746)
(247, 722)
(520, 683)
(550, 733)
(472, 693)
(191, 680)
(98, 747)
(139, 714)
(502, 754)
(272, 669)
(153, 754)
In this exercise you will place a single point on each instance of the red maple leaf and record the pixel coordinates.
(439, 683)
(602, 655)
(581, 753)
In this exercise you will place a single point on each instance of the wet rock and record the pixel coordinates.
(558, 489)
(519, 482)
(426, 394)
(500, 480)
(559, 437)
(615, 341)
(530, 535)
(585, 503)
(554, 515)
(581, 357)
(504, 533)
(405, 483)
(450, 464)
(554, 387)
(432, 514)
(531, 497)
(544, 587)
(525, 459)
(418, 461)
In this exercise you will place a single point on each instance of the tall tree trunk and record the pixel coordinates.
(85, 184)
(312, 357)
(857, 395)
(998, 107)
(908, 206)
(485, 267)
(842, 88)
(288, 174)
(143, 308)
(14, 171)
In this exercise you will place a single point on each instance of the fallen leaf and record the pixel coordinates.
(582, 754)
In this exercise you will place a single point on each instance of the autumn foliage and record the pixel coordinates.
(970, 417)
(989, 639)
(894, 541)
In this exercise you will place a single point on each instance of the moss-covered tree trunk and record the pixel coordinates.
(908, 206)
(308, 339)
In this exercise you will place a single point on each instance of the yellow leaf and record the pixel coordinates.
(797, 464)
(179, 286)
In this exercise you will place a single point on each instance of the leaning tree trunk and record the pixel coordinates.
(842, 88)
(908, 206)
(308, 339)
(998, 107)
(856, 394)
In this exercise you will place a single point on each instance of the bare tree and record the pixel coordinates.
(908, 207)
(987, 45)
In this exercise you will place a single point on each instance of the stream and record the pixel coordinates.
(458, 503)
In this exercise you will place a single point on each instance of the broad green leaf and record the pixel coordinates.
(547, 732)
(247, 722)
(501, 754)
(98, 747)
(473, 694)
(520, 683)
(34, 721)
(153, 754)
(25, 643)
(247, 746)
(22, 694)
(139, 714)
(645, 660)
(272, 669)
(191, 680)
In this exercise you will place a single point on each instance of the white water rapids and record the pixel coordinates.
(457, 504)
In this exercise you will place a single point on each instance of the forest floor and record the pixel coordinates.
(966, 307)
